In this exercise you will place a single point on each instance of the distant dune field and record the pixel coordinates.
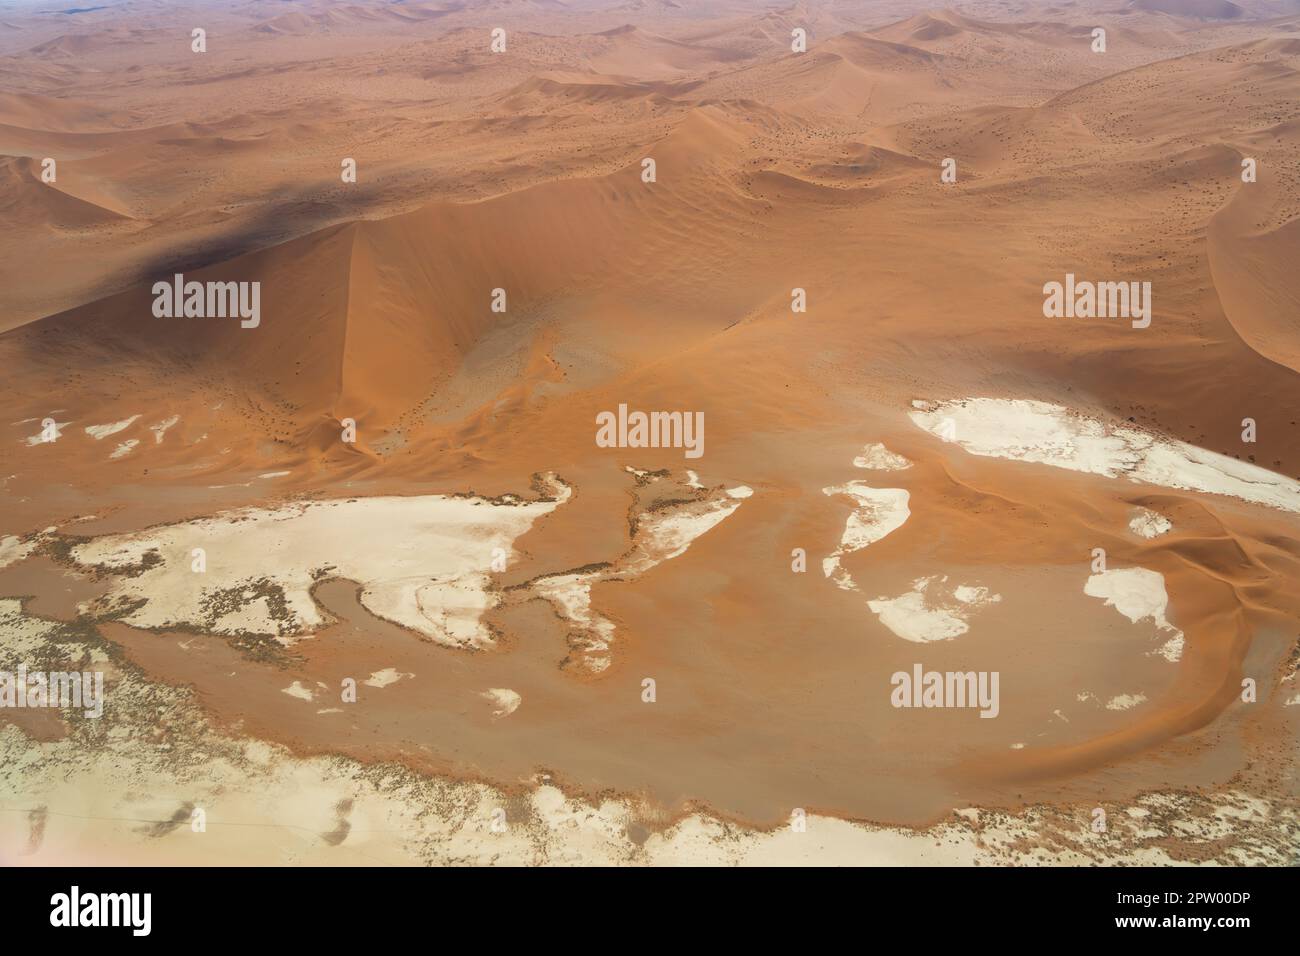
(660, 432)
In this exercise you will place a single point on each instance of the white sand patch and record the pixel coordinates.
(160, 429)
(296, 689)
(100, 432)
(124, 448)
(879, 458)
(422, 561)
(693, 480)
(925, 614)
(385, 677)
(1048, 434)
(1139, 594)
(504, 701)
(1146, 523)
(1293, 700)
(274, 474)
(39, 437)
(13, 549)
(878, 512)
(1125, 701)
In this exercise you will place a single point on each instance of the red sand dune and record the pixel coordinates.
(520, 180)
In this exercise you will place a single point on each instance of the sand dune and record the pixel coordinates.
(631, 51)
(838, 259)
(938, 25)
(1204, 9)
(1250, 256)
(36, 112)
(23, 195)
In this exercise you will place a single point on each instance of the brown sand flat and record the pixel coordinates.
(522, 171)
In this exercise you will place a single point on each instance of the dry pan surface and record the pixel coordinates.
(479, 634)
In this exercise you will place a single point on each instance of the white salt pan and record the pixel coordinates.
(504, 700)
(879, 458)
(1149, 524)
(39, 437)
(297, 690)
(1138, 594)
(13, 549)
(422, 562)
(664, 535)
(571, 596)
(99, 432)
(1125, 701)
(878, 512)
(389, 675)
(1048, 434)
(660, 536)
(160, 429)
(923, 614)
